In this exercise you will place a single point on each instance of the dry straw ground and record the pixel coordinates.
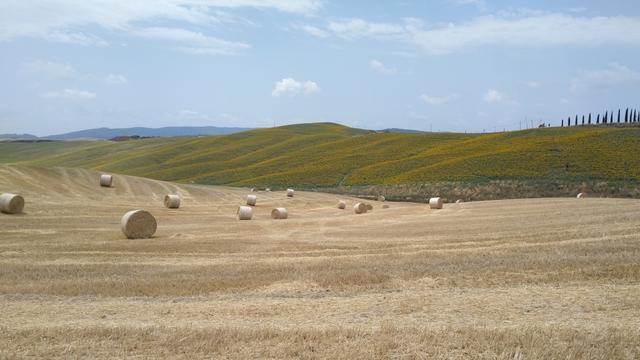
(518, 279)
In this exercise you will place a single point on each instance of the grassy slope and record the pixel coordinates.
(330, 154)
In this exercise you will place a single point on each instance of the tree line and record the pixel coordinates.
(608, 118)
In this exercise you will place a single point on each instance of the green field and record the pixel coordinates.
(330, 155)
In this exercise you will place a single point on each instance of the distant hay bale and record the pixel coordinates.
(252, 200)
(279, 213)
(172, 201)
(381, 198)
(267, 189)
(459, 201)
(360, 208)
(11, 203)
(369, 207)
(290, 192)
(106, 180)
(245, 213)
(342, 205)
(138, 224)
(253, 189)
(385, 206)
(582, 195)
(436, 203)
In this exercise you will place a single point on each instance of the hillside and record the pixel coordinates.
(108, 133)
(328, 155)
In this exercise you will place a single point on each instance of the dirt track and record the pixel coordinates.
(509, 279)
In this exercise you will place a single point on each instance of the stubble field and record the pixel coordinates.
(515, 279)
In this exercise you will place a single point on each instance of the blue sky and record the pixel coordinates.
(447, 65)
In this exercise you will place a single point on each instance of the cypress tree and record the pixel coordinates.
(626, 116)
(569, 121)
(576, 120)
(582, 120)
(562, 123)
(618, 116)
(598, 120)
(606, 115)
(589, 118)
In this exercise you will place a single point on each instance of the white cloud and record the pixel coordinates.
(493, 96)
(70, 94)
(61, 71)
(199, 43)
(381, 68)
(533, 84)
(116, 79)
(437, 100)
(615, 75)
(358, 28)
(72, 21)
(292, 87)
(479, 3)
(50, 69)
(514, 29)
(315, 31)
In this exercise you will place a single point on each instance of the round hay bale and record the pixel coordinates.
(279, 213)
(381, 198)
(436, 203)
(342, 205)
(106, 180)
(369, 207)
(385, 206)
(138, 224)
(172, 201)
(360, 208)
(253, 189)
(11, 203)
(245, 213)
(290, 192)
(267, 189)
(252, 200)
(459, 201)
(582, 195)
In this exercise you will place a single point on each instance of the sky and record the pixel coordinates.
(434, 65)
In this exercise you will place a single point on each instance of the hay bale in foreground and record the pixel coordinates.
(252, 200)
(11, 203)
(245, 213)
(342, 205)
(138, 224)
(279, 213)
(436, 203)
(290, 192)
(172, 201)
(106, 180)
(360, 208)
(582, 195)
(369, 206)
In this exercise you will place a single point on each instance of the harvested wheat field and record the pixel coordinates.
(520, 279)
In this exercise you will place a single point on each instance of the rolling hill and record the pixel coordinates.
(108, 133)
(328, 155)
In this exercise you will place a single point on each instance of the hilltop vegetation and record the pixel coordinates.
(330, 155)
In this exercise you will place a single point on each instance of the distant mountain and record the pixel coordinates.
(17, 137)
(401, 131)
(107, 133)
